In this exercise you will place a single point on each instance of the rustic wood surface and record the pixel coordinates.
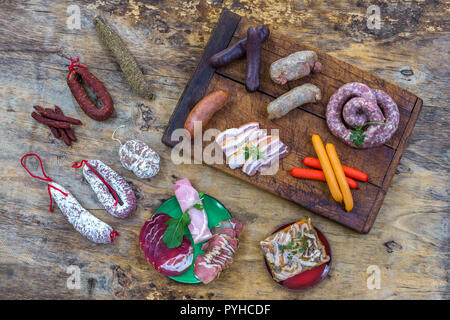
(409, 241)
(297, 128)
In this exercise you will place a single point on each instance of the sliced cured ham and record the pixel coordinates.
(230, 133)
(167, 261)
(188, 196)
(219, 251)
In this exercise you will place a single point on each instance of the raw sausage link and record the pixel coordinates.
(307, 93)
(357, 104)
(82, 220)
(205, 109)
(119, 185)
(295, 66)
(237, 50)
(83, 100)
(253, 60)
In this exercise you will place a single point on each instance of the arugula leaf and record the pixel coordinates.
(173, 236)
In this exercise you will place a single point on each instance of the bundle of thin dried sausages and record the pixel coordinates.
(59, 124)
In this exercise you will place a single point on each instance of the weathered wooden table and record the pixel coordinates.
(408, 243)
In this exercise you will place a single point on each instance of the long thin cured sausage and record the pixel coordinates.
(205, 109)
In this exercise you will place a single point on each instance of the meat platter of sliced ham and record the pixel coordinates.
(214, 249)
(251, 148)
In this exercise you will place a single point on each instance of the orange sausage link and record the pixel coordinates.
(205, 109)
(340, 176)
(327, 169)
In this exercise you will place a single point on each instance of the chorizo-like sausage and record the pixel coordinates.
(205, 109)
(99, 114)
(253, 60)
(237, 50)
(294, 66)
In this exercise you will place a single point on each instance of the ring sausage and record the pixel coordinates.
(99, 114)
(356, 105)
(205, 109)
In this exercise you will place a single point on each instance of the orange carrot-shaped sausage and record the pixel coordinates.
(340, 176)
(349, 171)
(312, 174)
(327, 168)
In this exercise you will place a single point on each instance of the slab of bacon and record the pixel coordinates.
(251, 148)
(219, 251)
(187, 196)
(167, 261)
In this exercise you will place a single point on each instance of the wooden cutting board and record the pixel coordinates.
(297, 128)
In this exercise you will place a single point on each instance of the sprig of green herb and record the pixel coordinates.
(357, 136)
(253, 152)
(173, 236)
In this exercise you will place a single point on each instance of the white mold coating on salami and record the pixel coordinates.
(117, 183)
(82, 220)
(354, 104)
(138, 157)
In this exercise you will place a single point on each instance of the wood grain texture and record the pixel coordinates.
(168, 39)
(297, 128)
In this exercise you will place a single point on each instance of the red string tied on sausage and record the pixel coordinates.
(46, 178)
(76, 165)
(74, 64)
(113, 234)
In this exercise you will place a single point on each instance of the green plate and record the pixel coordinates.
(216, 213)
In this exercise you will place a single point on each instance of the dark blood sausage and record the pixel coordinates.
(355, 104)
(205, 109)
(117, 183)
(99, 114)
(253, 60)
(237, 50)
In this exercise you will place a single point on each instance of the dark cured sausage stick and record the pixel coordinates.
(49, 122)
(68, 131)
(205, 109)
(237, 50)
(253, 60)
(83, 100)
(49, 113)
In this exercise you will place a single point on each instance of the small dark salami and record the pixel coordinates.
(253, 60)
(73, 81)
